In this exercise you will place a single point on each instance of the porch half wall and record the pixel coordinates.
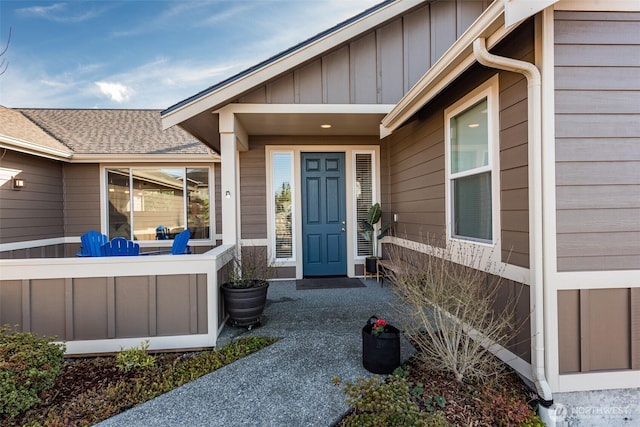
(98, 305)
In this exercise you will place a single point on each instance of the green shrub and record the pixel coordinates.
(381, 403)
(135, 358)
(28, 366)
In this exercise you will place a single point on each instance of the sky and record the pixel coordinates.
(142, 53)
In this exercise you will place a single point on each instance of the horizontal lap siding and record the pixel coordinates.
(82, 198)
(514, 184)
(597, 102)
(36, 211)
(378, 67)
(413, 169)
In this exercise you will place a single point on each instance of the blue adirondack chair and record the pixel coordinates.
(180, 245)
(92, 243)
(119, 246)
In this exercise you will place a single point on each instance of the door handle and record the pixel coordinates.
(343, 229)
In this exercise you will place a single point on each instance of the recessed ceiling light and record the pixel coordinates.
(325, 126)
(474, 125)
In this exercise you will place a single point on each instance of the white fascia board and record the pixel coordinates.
(288, 62)
(517, 10)
(304, 109)
(599, 5)
(146, 158)
(34, 149)
(445, 70)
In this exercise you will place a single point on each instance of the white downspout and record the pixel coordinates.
(536, 282)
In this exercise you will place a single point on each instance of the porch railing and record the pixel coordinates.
(98, 305)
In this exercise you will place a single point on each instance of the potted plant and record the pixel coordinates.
(371, 232)
(245, 293)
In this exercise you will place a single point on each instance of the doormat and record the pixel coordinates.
(328, 283)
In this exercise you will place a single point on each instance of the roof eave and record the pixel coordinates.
(171, 158)
(34, 149)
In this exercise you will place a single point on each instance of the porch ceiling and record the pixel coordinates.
(204, 126)
(309, 123)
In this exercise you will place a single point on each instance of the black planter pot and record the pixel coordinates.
(371, 264)
(245, 305)
(381, 353)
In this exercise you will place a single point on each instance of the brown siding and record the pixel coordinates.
(82, 198)
(598, 330)
(377, 67)
(36, 211)
(413, 169)
(253, 202)
(106, 307)
(597, 102)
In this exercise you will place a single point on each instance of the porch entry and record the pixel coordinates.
(324, 243)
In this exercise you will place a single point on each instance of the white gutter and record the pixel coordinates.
(536, 281)
(34, 149)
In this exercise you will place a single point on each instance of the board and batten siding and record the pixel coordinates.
(593, 337)
(378, 67)
(413, 160)
(36, 211)
(107, 307)
(597, 114)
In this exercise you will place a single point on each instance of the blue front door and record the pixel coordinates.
(324, 243)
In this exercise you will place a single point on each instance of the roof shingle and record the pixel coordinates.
(94, 131)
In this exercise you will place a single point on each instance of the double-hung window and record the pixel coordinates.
(471, 141)
(157, 203)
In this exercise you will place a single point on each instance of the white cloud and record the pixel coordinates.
(115, 91)
(59, 12)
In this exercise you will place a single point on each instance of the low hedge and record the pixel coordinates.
(28, 366)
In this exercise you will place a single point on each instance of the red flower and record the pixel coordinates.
(378, 327)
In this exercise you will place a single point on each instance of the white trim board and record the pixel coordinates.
(348, 150)
(507, 271)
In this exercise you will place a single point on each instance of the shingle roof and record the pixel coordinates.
(94, 131)
(16, 126)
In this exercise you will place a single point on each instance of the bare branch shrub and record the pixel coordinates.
(453, 314)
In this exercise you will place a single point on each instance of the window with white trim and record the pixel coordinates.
(282, 205)
(152, 203)
(364, 190)
(470, 166)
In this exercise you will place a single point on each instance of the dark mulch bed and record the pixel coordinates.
(498, 402)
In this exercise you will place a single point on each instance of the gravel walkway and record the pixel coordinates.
(290, 382)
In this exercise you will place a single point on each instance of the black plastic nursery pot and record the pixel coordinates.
(381, 353)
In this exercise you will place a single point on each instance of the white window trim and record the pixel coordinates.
(271, 219)
(489, 90)
(374, 194)
(104, 198)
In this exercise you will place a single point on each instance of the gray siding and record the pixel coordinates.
(377, 67)
(36, 211)
(106, 307)
(413, 168)
(82, 198)
(592, 336)
(597, 102)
